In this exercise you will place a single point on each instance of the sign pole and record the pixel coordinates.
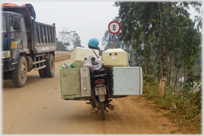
(113, 41)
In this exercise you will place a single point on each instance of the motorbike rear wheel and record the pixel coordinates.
(102, 111)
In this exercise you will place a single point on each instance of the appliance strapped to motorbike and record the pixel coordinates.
(100, 78)
(115, 58)
(79, 54)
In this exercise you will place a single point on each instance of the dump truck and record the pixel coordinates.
(26, 44)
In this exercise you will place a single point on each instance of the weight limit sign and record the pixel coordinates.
(114, 27)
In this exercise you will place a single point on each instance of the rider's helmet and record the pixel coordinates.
(93, 42)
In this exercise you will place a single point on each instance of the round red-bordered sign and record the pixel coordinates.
(114, 27)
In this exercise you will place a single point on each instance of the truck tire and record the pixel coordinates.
(19, 74)
(42, 73)
(50, 66)
(102, 111)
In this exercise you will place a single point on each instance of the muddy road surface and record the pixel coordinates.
(37, 108)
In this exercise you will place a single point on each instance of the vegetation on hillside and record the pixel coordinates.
(184, 110)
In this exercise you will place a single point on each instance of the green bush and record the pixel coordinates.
(149, 78)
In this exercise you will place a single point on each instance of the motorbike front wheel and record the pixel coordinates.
(102, 111)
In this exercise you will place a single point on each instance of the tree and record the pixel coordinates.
(61, 46)
(65, 36)
(198, 19)
(158, 32)
(76, 40)
(68, 38)
(136, 28)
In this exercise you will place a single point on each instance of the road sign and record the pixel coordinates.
(111, 38)
(114, 27)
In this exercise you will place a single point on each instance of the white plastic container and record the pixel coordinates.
(79, 54)
(115, 58)
(127, 81)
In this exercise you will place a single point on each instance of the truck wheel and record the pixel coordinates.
(102, 111)
(50, 66)
(42, 73)
(19, 74)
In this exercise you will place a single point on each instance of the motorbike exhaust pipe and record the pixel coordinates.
(111, 107)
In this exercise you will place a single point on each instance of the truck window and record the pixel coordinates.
(3, 24)
(15, 24)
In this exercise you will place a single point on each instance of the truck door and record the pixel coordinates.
(18, 35)
(18, 31)
(15, 32)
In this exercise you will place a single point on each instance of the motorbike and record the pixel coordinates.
(100, 90)
(98, 84)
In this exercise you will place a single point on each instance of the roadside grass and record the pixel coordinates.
(188, 107)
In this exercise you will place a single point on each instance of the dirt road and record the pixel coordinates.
(37, 108)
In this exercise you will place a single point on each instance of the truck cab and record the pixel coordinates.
(13, 37)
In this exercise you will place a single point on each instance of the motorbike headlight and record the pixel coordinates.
(5, 54)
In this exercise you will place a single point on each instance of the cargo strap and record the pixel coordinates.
(95, 53)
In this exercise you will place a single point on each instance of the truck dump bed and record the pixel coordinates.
(44, 37)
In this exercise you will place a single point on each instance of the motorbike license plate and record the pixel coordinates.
(100, 90)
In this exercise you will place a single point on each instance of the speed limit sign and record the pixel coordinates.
(114, 27)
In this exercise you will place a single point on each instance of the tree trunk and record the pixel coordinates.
(176, 78)
(145, 56)
(185, 70)
(140, 61)
(161, 52)
(167, 58)
(161, 65)
(167, 64)
(155, 62)
(171, 64)
(173, 46)
(148, 54)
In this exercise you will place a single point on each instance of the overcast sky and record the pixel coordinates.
(89, 19)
